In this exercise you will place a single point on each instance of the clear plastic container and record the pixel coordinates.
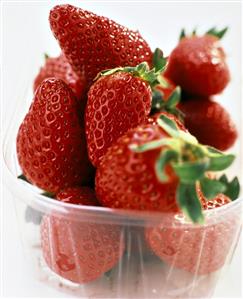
(180, 271)
(186, 261)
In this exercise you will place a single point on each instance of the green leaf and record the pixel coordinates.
(174, 98)
(48, 194)
(159, 61)
(162, 81)
(218, 33)
(23, 178)
(158, 103)
(170, 124)
(164, 158)
(194, 32)
(150, 76)
(189, 202)
(220, 162)
(190, 172)
(170, 142)
(213, 151)
(171, 128)
(223, 179)
(46, 56)
(142, 67)
(232, 188)
(211, 188)
(182, 34)
(211, 30)
(142, 70)
(109, 274)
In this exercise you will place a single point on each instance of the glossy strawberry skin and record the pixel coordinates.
(127, 180)
(116, 103)
(197, 249)
(59, 68)
(209, 122)
(198, 66)
(92, 43)
(78, 195)
(80, 251)
(51, 145)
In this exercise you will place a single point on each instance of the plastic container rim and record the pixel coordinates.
(41, 202)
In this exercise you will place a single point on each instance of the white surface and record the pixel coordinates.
(26, 37)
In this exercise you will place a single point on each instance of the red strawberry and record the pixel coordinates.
(198, 64)
(80, 250)
(59, 68)
(116, 103)
(209, 122)
(51, 144)
(197, 249)
(156, 167)
(78, 195)
(92, 43)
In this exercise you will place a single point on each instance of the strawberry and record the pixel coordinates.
(79, 250)
(93, 43)
(59, 68)
(51, 146)
(157, 167)
(209, 122)
(197, 249)
(198, 64)
(78, 195)
(118, 101)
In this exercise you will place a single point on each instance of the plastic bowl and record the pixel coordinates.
(180, 271)
(186, 262)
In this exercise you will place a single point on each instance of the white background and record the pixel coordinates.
(26, 36)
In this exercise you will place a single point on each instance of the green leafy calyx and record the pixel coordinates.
(219, 33)
(46, 56)
(159, 61)
(190, 162)
(232, 188)
(141, 71)
(159, 104)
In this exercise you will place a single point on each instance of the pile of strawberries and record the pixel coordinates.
(107, 128)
